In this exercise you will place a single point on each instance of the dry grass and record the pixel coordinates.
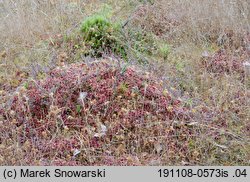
(195, 20)
(26, 21)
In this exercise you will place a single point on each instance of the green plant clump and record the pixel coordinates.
(164, 50)
(143, 42)
(101, 34)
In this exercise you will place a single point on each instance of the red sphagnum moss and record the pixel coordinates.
(103, 111)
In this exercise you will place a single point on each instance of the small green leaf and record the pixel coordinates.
(78, 108)
(26, 85)
(124, 69)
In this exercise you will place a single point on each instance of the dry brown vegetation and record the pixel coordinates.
(180, 97)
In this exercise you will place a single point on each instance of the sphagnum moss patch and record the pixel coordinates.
(110, 121)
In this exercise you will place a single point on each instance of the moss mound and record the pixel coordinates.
(96, 114)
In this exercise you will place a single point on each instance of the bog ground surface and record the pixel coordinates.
(112, 82)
